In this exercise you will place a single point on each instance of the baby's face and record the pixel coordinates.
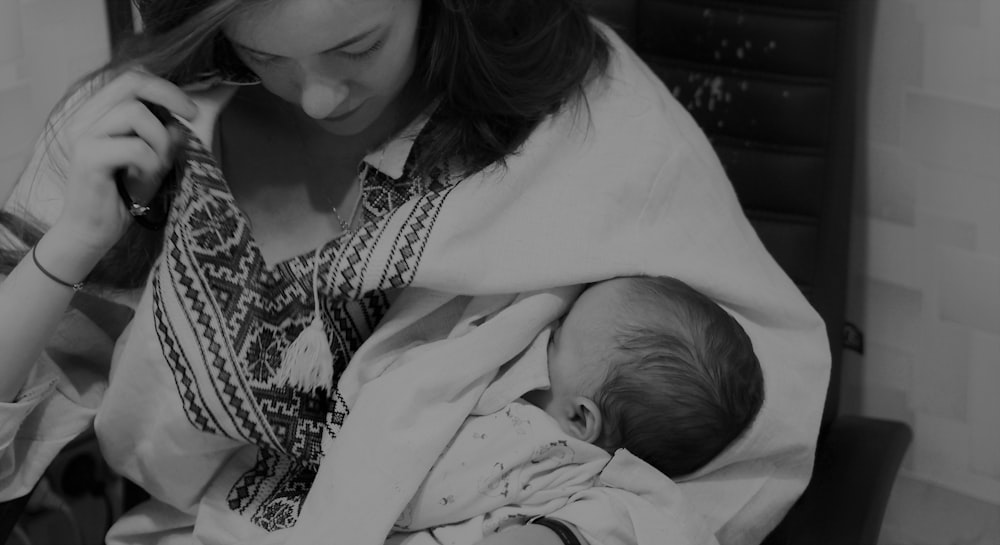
(580, 346)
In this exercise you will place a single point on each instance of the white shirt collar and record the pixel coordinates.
(390, 159)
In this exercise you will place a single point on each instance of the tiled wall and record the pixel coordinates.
(44, 45)
(926, 264)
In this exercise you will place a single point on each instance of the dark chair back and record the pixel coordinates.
(775, 86)
(770, 82)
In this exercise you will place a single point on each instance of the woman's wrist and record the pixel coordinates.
(68, 255)
(90, 233)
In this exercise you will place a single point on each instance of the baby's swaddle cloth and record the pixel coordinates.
(510, 462)
(630, 502)
(503, 468)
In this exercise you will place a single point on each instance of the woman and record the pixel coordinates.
(336, 151)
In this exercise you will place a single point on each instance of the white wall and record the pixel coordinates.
(926, 264)
(44, 46)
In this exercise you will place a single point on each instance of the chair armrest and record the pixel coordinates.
(856, 466)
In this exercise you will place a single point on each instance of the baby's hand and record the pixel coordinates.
(115, 130)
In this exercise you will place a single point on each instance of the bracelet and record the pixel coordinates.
(560, 528)
(76, 287)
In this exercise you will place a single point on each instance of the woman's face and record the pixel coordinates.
(344, 62)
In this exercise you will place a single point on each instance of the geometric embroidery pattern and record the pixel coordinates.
(187, 387)
(224, 319)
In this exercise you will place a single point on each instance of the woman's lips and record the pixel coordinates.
(348, 113)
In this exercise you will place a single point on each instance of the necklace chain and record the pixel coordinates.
(345, 226)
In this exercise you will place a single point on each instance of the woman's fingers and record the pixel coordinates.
(93, 207)
(100, 159)
(135, 84)
(124, 106)
(116, 134)
(135, 119)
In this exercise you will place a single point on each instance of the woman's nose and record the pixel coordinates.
(320, 99)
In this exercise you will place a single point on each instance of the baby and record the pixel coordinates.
(652, 366)
(648, 365)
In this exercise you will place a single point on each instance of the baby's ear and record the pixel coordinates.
(585, 422)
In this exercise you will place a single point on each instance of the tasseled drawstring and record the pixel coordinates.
(307, 363)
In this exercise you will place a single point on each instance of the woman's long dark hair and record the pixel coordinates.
(499, 68)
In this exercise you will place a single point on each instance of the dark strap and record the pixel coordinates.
(560, 528)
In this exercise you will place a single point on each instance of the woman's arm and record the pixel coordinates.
(31, 304)
(111, 130)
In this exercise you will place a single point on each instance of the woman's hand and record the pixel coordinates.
(114, 130)
(109, 131)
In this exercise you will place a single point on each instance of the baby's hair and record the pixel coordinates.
(685, 382)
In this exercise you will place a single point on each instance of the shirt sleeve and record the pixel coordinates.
(49, 412)
(41, 383)
(59, 400)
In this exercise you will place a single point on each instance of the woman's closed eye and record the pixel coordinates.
(362, 55)
(259, 58)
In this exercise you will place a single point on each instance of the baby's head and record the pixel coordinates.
(653, 366)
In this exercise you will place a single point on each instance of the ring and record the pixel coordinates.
(137, 209)
(139, 212)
